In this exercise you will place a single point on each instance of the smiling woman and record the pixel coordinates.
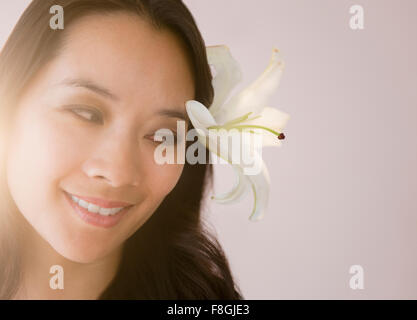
(79, 184)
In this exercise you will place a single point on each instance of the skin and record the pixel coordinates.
(53, 149)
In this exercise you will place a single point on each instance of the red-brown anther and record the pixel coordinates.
(281, 136)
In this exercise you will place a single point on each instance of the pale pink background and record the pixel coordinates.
(344, 183)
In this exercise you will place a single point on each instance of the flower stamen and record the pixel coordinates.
(279, 135)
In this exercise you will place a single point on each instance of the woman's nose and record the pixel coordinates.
(115, 160)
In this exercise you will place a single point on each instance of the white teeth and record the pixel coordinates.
(116, 210)
(83, 203)
(94, 208)
(105, 211)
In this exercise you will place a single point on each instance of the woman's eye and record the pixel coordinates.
(174, 139)
(88, 115)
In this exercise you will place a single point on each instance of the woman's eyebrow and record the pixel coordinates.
(90, 85)
(173, 114)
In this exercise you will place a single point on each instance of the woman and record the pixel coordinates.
(79, 108)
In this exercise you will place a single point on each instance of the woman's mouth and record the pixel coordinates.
(94, 214)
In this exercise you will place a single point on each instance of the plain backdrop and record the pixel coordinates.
(344, 183)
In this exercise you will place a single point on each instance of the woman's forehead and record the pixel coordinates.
(128, 56)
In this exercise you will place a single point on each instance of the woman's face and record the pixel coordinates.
(84, 127)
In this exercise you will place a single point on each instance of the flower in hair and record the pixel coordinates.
(247, 111)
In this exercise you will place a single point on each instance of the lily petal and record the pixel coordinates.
(270, 118)
(202, 119)
(260, 184)
(237, 191)
(224, 151)
(257, 95)
(199, 115)
(228, 74)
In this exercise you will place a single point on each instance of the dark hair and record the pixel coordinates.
(173, 255)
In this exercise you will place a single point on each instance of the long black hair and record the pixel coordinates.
(173, 255)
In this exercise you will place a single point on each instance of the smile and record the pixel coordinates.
(96, 215)
(95, 208)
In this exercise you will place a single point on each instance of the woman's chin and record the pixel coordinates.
(81, 251)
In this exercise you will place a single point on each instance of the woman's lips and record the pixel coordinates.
(95, 218)
(104, 203)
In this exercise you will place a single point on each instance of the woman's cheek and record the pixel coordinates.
(163, 178)
(34, 164)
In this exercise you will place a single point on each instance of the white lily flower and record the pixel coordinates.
(247, 111)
